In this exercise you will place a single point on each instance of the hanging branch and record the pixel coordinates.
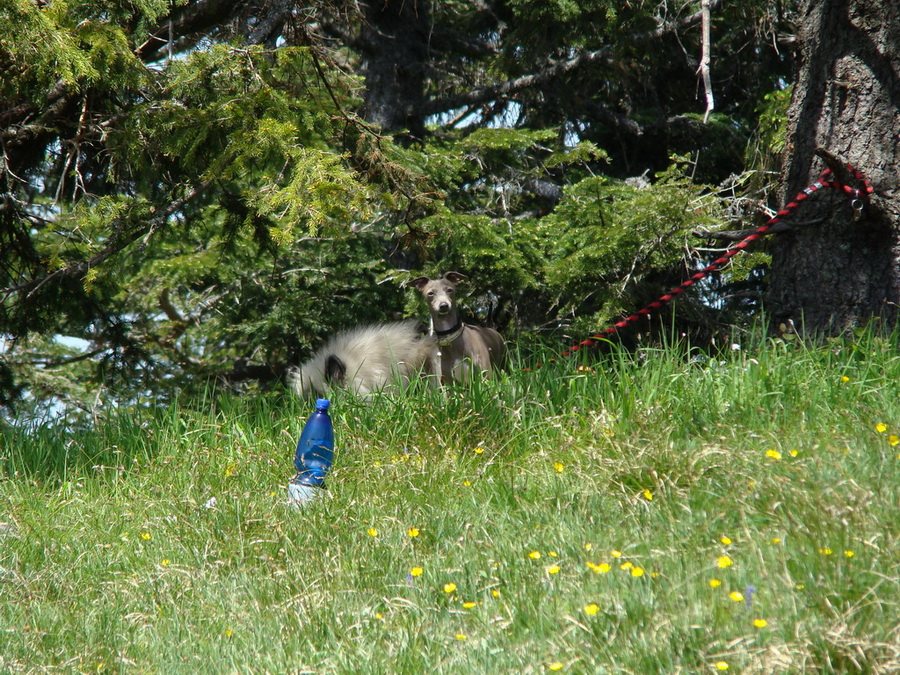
(704, 59)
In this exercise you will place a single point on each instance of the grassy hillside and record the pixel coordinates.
(648, 513)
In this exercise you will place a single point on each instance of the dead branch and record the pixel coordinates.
(704, 59)
(739, 235)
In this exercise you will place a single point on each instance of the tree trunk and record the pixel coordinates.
(836, 275)
(394, 44)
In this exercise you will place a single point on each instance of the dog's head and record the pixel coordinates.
(439, 293)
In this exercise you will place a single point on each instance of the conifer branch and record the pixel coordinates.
(117, 243)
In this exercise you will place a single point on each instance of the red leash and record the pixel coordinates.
(718, 263)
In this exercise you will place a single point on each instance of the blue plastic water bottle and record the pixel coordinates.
(315, 451)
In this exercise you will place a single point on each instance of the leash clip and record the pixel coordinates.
(857, 206)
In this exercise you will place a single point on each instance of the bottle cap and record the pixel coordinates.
(322, 403)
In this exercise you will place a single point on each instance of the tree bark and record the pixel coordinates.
(828, 279)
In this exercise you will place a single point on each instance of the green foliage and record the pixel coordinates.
(651, 486)
(717, 144)
(541, 23)
(591, 257)
(608, 231)
(771, 134)
(221, 198)
(238, 265)
(77, 44)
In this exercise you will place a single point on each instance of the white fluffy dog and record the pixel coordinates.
(365, 359)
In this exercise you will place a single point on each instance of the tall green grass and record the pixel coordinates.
(587, 517)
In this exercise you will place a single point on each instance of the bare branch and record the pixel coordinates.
(192, 19)
(739, 235)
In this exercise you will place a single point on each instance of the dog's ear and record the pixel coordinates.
(454, 277)
(419, 282)
(335, 370)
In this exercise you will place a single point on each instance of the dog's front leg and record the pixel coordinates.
(432, 370)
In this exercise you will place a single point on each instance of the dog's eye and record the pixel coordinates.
(430, 294)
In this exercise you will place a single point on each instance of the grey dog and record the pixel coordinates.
(461, 348)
